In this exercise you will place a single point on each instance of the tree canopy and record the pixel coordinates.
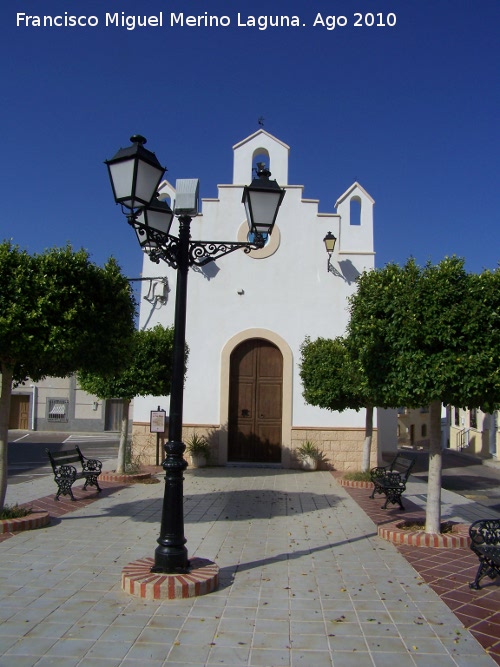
(427, 336)
(332, 379)
(431, 333)
(59, 312)
(148, 372)
(329, 376)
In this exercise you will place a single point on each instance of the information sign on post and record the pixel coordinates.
(158, 418)
(157, 425)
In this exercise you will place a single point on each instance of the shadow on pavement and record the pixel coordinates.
(238, 505)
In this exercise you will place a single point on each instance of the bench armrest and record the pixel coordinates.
(92, 465)
(393, 477)
(65, 471)
(485, 531)
(379, 471)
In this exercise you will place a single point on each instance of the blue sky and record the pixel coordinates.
(410, 111)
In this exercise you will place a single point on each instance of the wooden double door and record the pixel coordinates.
(19, 412)
(255, 403)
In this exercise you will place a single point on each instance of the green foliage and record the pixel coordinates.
(357, 476)
(329, 375)
(308, 449)
(60, 312)
(428, 334)
(197, 445)
(148, 371)
(14, 512)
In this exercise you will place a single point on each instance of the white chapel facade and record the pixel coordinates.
(248, 314)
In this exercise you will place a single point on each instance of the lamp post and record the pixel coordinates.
(135, 175)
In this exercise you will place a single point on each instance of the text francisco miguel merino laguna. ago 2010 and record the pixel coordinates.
(205, 20)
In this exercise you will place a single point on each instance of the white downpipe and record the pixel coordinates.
(34, 406)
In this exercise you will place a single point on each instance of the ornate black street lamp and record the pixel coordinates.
(135, 175)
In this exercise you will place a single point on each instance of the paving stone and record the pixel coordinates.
(304, 580)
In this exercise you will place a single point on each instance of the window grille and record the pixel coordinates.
(57, 410)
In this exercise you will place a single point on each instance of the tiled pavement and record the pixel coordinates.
(448, 571)
(304, 581)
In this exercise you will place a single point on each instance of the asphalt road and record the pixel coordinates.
(467, 476)
(27, 458)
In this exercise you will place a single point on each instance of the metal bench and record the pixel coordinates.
(65, 474)
(485, 543)
(391, 480)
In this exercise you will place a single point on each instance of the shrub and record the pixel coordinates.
(309, 449)
(14, 512)
(197, 445)
(357, 476)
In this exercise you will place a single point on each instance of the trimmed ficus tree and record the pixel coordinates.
(427, 336)
(331, 379)
(59, 312)
(148, 372)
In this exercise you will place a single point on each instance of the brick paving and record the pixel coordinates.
(61, 507)
(448, 572)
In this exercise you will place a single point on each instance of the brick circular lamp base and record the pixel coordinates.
(137, 579)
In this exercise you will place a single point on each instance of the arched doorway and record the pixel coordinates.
(255, 402)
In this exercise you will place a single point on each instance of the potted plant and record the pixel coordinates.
(199, 450)
(309, 455)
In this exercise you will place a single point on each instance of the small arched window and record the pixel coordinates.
(260, 155)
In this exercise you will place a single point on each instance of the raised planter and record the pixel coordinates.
(354, 484)
(124, 478)
(396, 533)
(29, 522)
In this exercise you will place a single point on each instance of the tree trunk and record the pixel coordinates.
(433, 510)
(6, 390)
(367, 444)
(122, 448)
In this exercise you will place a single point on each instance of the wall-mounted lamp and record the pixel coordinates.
(330, 240)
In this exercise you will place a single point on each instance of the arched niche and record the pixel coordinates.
(355, 211)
